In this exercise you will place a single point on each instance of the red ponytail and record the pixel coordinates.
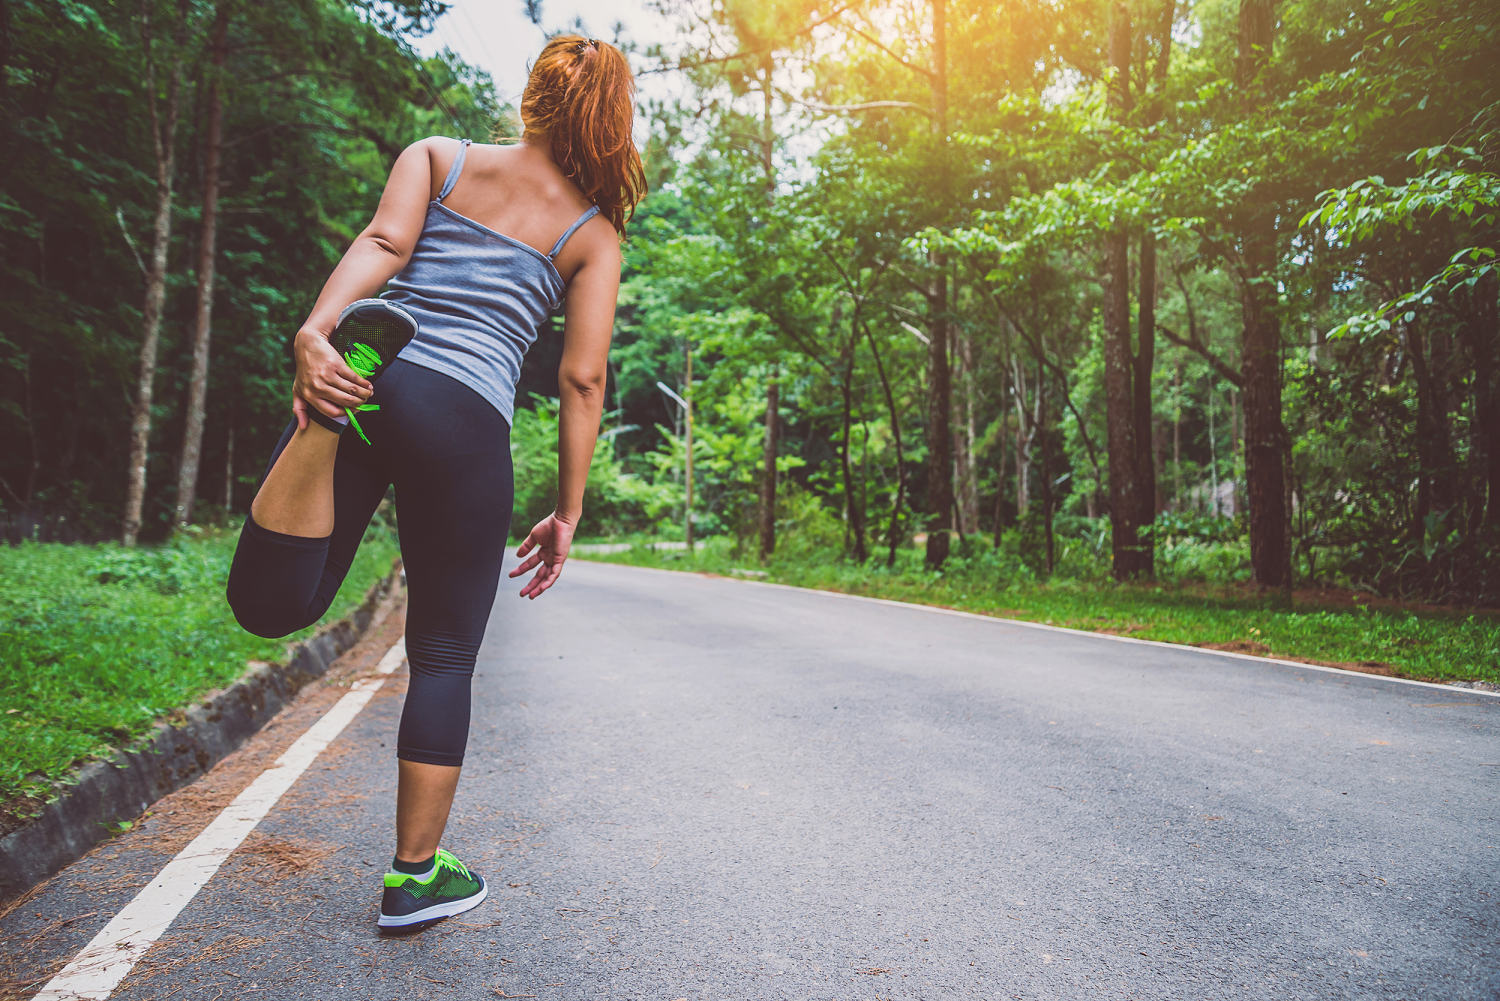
(580, 98)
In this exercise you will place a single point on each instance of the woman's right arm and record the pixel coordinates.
(324, 380)
(587, 327)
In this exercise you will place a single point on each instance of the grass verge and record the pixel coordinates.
(1343, 629)
(100, 642)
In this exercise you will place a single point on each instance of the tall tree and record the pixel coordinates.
(1129, 482)
(1266, 444)
(164, 148)
(213, 147)
(939, 374)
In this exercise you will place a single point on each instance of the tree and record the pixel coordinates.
(213, 148)
(164, 149)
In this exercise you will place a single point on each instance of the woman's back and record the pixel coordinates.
(514, 190)
(483, 276)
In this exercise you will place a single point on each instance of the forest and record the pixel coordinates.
(1185, 291)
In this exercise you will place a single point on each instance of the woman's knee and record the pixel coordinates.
(264, 613)
(275, 580)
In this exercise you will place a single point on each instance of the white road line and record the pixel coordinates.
(96, 971)
(1209, 651)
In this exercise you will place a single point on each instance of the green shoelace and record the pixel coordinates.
(364, 360)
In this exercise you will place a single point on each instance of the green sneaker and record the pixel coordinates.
(369, 335)
(447, 889)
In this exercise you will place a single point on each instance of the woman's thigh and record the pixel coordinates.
(452, 472)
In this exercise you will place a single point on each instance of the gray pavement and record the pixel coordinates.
(684, 787)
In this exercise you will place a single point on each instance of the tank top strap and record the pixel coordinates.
(455, 170)
(593, 210)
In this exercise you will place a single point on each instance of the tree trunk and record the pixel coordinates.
(1177, 438)
(164, 141)
(964, 474)
(893, 533)
(1130, 557)
(1141, 409)
(768, 473)
(1213, 455)
(687, 394)
(192, 435)
(229, 465)
(1045, 432)
(1435, 480)
(1025, 430)
(999, 515)
(855, 523)
(1480, 331)
(773, 393)
(939, 381)
(1264, 435)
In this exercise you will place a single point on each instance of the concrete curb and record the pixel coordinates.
(174, 754)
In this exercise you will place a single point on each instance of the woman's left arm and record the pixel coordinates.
(581, 377)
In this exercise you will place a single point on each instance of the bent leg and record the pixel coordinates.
(282, 580)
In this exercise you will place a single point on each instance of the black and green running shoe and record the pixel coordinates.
(369, 335)
(449, 888)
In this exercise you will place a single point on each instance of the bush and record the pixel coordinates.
(168, 569)
(805, 527)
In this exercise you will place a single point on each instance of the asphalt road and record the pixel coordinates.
(683, 787)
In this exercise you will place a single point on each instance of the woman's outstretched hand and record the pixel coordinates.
(324, 380)
(551, 539)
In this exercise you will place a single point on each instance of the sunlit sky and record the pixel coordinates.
(496, 36)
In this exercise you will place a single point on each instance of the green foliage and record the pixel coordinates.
(615, 502)
(99, 643)
(791, 245)
(311, 126)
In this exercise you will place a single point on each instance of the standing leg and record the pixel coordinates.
(454, 496)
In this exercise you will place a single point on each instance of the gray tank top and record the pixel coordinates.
(479, 297)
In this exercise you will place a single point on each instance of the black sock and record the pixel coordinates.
(318, 417)
(413, 868)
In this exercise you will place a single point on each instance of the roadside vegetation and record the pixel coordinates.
(100, 642)
(1190, 603)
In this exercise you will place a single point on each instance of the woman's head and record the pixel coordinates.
(580, 100)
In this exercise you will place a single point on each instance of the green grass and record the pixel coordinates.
(1431, 644)
(97, 643)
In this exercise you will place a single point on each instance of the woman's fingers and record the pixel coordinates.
(326, 408)
(525, 547)
(344, 394)
(533, 561)
(356, 389)
(545, 578)
(299, 411)
(542, 581)
(531, 589)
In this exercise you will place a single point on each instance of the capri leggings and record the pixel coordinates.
(447, 450)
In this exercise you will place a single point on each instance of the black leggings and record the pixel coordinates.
(447, 451)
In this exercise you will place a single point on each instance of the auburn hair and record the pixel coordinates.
(580, 99)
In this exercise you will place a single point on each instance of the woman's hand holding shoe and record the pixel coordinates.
(324, 380)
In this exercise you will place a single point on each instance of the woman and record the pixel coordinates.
(461, 243)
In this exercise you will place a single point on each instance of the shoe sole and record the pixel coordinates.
(436, 911)
(380, 303)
